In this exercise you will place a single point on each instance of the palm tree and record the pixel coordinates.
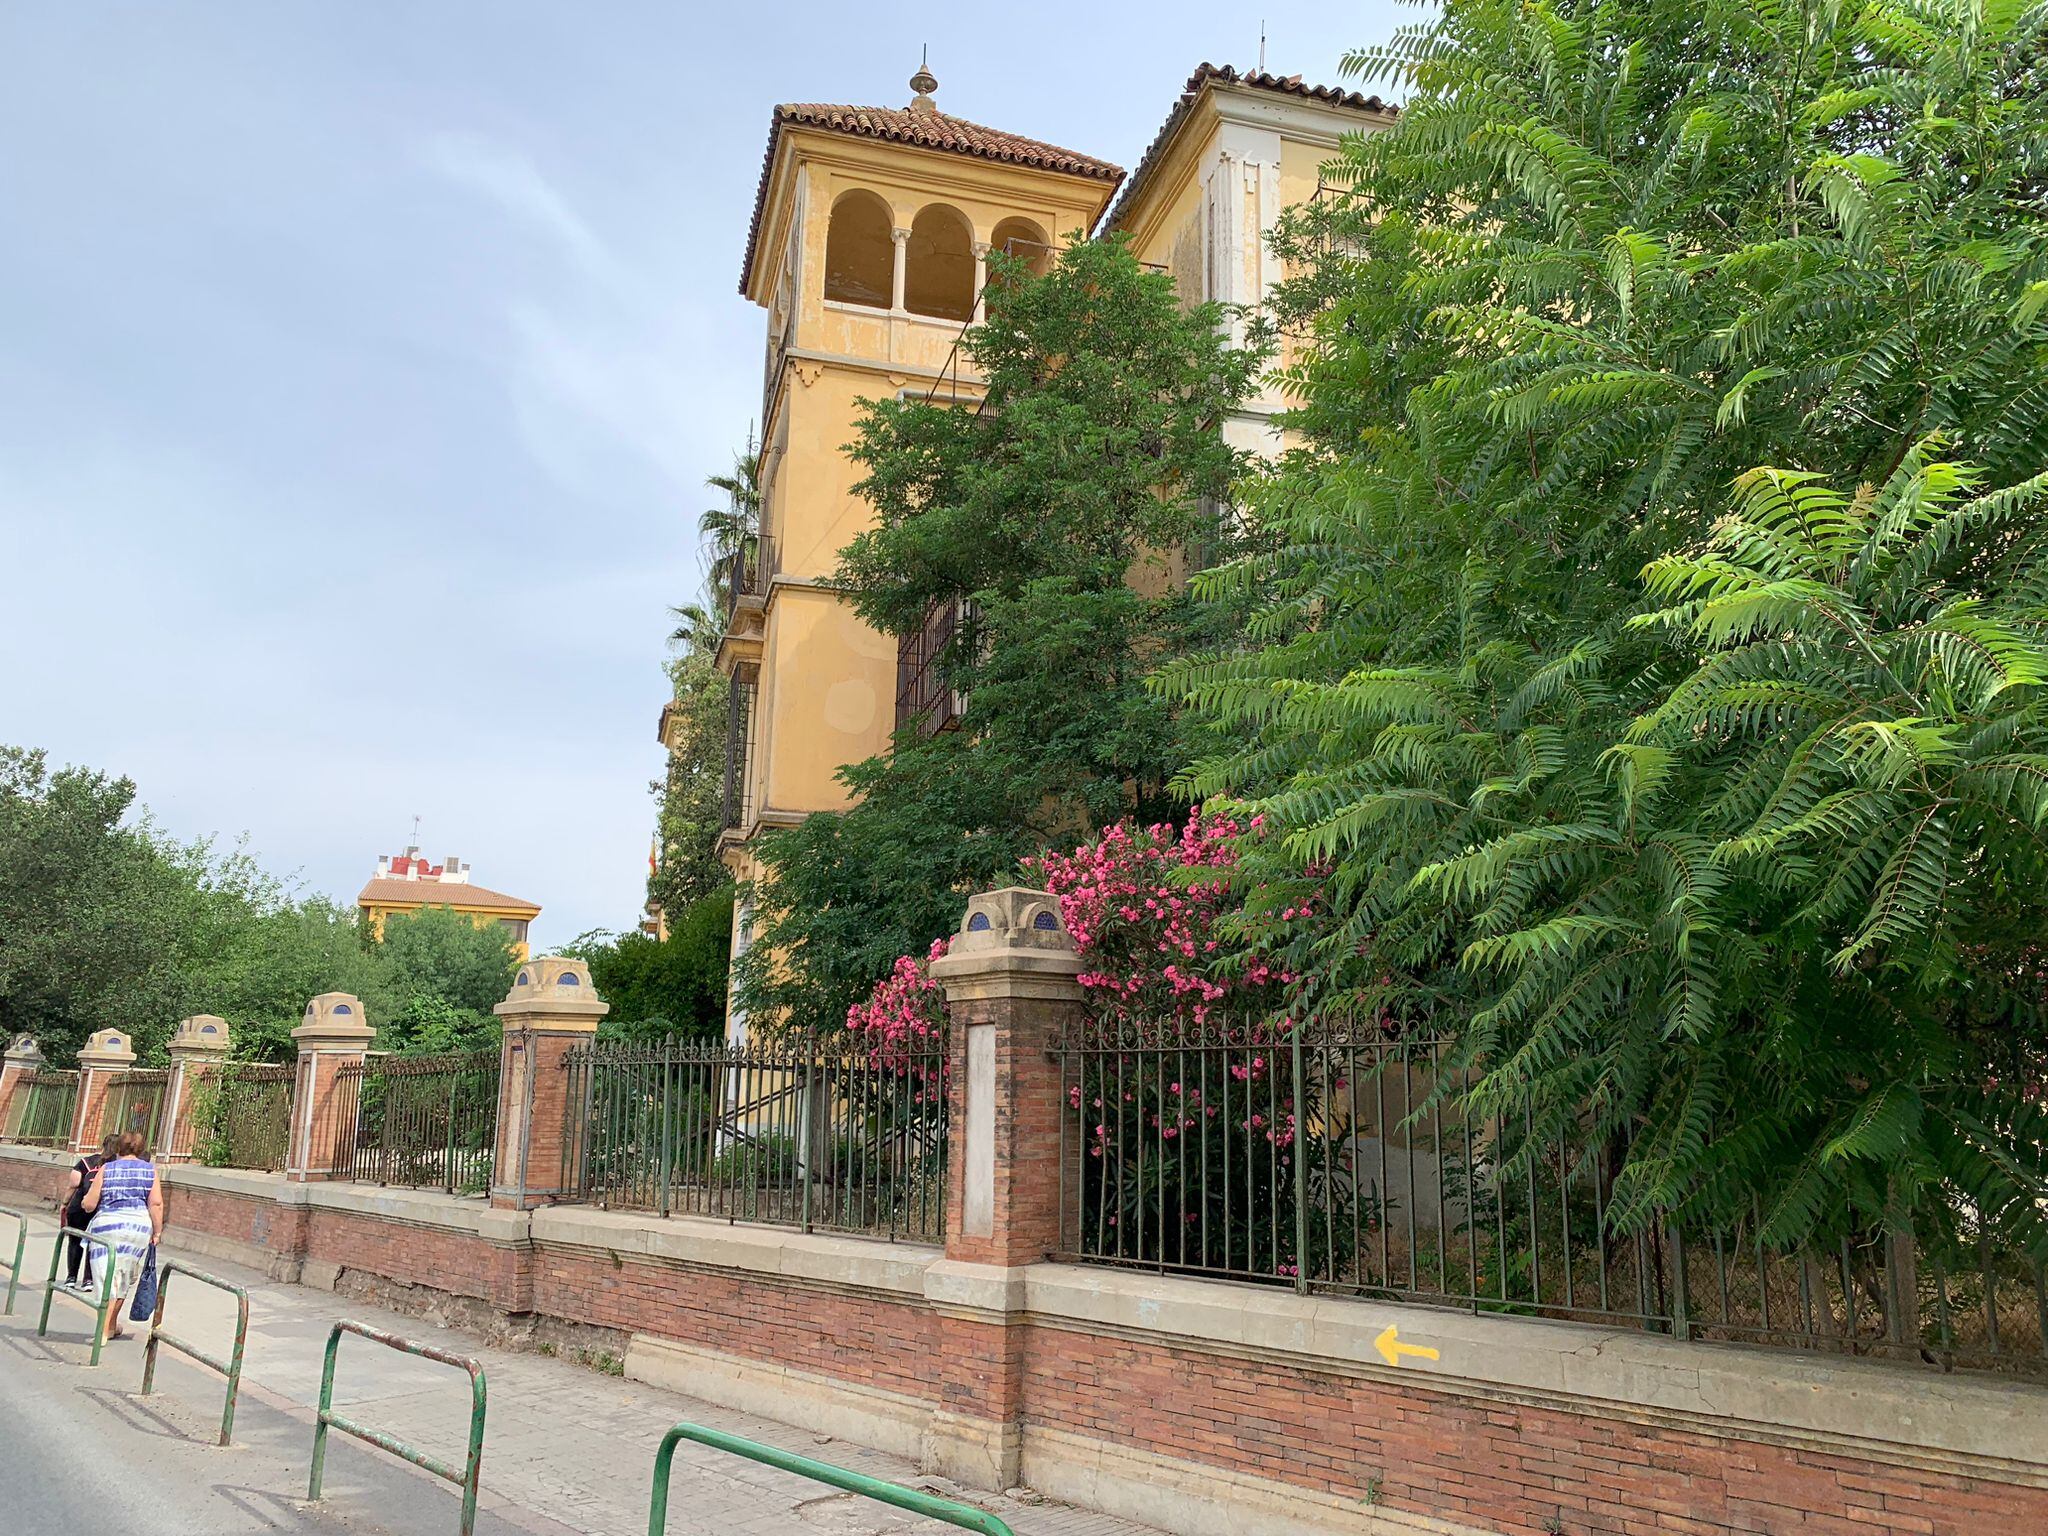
(697, 628)
(732, 533)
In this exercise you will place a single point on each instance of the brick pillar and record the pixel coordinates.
(22, 1058)
(334, 1034)
(551, 1008)
(1010, 985)
(106, 1053)
(198, 1045)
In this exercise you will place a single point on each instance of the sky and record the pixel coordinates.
(361, 365)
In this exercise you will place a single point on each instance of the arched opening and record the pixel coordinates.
(860, 255)
(939, 280)
(1023, 241)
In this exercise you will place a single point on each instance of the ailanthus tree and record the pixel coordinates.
(1647, 660)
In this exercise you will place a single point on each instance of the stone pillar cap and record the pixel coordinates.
(1015, 930)
(24, 1052)
(335, 1018)
(203, 1032)
(556, 985)
(106, 1048)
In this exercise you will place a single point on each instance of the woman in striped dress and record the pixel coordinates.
(127, 1205)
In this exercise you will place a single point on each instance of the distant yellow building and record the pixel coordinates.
(868, 249)
(408, 882)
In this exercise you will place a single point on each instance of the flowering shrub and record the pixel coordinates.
(1181, 1088)
(906, 1007)
(902, 1028)
(1142, 906)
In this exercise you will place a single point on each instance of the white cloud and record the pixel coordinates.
(608, 362)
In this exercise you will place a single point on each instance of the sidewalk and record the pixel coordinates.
(567, 1449)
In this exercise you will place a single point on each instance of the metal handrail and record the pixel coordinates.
(20, 1248)
(326, 1417)
(964, 1516)
(230, 1367)
(99, 1332)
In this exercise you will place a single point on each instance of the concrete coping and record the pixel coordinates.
(250, 1182)
(203, 1034)
(554, 987)
(469, 1215)
(334, 1021)
(869, 1264)
(107, 1048)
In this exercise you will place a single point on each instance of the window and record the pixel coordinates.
(860, 252)
(939, 280)
(515, 928)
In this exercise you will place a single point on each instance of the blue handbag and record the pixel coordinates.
(143, 1307)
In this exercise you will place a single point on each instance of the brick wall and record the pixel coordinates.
(858, 1337)
(1499, 1465)
(456, 1262)
(36, 1184)
(1364, 1448)
(247, 1219)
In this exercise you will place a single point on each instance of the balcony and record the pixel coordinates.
(739, 752)
(740, 587)
(923, 694)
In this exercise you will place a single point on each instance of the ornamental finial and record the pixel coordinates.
(924, 82)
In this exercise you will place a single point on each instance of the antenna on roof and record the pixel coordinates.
(1262, 45)
(415, 831)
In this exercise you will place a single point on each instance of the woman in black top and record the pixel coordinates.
(78, 1254)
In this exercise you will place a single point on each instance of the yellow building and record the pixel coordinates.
(408, 882)
(868, 250)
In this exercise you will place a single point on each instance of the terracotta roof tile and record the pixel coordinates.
(924, 130)
(1222, 74)
(437, 893)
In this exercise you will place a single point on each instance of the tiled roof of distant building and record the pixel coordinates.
(1206, 75)
(437, 893)
(924, 130)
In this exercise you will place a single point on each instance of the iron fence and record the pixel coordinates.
(1348, 1165)
(423, 1122)
(236, 1115)
(42, 1108)
(827, 1134)
(135, 1102)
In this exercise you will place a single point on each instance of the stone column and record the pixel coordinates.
(897, 282)
(334, 1034)
(551, 1009)
(981, 249)
(198, 1045)
(1010, 980)
(22, 1058)
(106, 1053)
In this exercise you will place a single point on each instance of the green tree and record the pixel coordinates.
(1048, 524)
(1730, 880)
(690, 795)
(672, 986)
(94, 918)
(443, 974)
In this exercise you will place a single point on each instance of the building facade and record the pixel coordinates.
(868, 249)
(406, 882)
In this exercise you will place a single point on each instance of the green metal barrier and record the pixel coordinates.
(106, 1301)
(466, 1478)
(965, 1516)
(230, 1367)
(20, 1248)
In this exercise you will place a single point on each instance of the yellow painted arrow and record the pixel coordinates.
(1392, 1349)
